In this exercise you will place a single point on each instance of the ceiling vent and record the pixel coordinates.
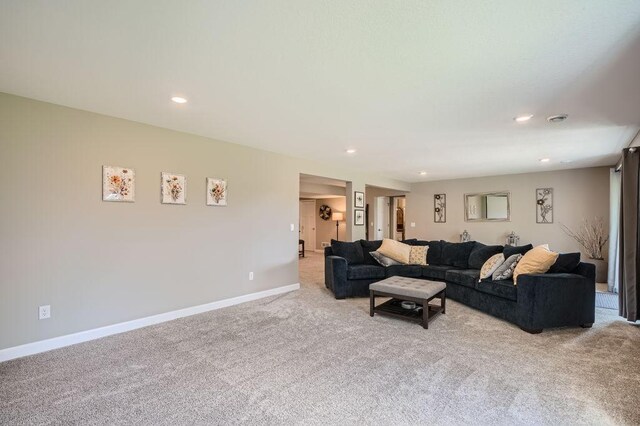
(557, 118)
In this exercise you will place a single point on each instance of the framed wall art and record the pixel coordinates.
(544, 205)
(216, 192)
(173, 188)
(118, 184)
(358, 217)
(358, 200)
(440, 208)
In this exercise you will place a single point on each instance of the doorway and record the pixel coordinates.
(307, 227)
(381, 218)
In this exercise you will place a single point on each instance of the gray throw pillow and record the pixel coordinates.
(382, 259)
(505, 271)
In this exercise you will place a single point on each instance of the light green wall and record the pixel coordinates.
(98, 263)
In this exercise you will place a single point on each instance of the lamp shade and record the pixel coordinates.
(337, 216)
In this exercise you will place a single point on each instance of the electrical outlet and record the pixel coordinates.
(250, 276)
(44, 312)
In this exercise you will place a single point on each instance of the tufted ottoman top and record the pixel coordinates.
(410, 287)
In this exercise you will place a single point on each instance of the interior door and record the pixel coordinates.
(381, 218)
(308, 224)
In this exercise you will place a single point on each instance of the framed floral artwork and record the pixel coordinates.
(358, 199)
(216, 192)
(118, 184)
(440, 208)
(544, 205)
(173, 188)
(358, 217)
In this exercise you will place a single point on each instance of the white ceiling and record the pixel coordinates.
(412, 85)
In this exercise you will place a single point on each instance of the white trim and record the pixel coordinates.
(109, 330)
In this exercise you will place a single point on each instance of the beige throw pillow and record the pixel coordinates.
(538, 260)
(418, 255)
(491, 265)
(395, 250)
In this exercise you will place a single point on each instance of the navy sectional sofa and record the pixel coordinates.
(565, 296)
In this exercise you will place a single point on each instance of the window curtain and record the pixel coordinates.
(629, 237)
(614, 230)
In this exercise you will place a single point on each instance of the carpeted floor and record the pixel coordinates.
(305, 358)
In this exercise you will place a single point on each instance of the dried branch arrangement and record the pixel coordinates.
(591, 235)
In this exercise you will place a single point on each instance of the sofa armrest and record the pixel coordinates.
(335, 275)
(555, 300)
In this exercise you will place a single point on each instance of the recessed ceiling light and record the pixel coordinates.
(179, 100)
(545, 160)
(566, 161)
(351, 151)
(423, 173)
(557, 118)
(523, 118)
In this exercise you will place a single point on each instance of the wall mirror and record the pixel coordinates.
(487, 207)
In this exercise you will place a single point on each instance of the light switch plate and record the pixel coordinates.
(293, 227)
(413, 224)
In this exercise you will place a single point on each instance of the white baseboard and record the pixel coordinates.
(109, 330)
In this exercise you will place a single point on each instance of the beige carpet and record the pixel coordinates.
(305, 358)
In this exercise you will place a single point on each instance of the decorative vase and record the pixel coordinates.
(602, 269)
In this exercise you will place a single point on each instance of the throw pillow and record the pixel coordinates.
(367, 248)
(565, 264)
(505, 271)
(395, 250)
(491, 265)
(481, 253)
(511, 250)
(538, 260)
(350, 251)
(383, 260)
(418, 255)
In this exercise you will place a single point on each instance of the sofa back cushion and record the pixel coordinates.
(481, 253)
(511, 250)
(396, 250)
(457, 254)
(565, 264)
(367, 248)
(350, 251)
(434, 254)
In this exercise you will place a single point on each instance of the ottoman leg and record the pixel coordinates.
(425, 314)
(443, 301)
(372, 302)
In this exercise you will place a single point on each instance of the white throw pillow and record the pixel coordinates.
(491, 265)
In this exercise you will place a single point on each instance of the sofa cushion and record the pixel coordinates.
(481, 253)
(465, 277)
(395, 250)
(411, 271)
(362, 272)
(350, 251)
(435, 272)
(565, 264)
(368, 247)
(537, 261)
(410, 241)
(434, 255)
(457, 254)
(503, 288)
(383, 260)
(511, 250)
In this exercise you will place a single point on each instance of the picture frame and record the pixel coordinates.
(173, 188)
(358, 199)
(440, 208)
(118, 184)
(544, 205)
(216, 192)
(358, 217)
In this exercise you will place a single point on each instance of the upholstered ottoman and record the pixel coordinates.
(402, 289)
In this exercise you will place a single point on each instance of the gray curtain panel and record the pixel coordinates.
(629, 237)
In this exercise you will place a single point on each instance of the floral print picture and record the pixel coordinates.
(439, 208)
(544, 205)
(174, 188)
(216, 192)
(118, 184)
